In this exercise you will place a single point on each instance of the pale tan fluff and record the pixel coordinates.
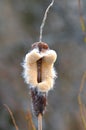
(48, 72)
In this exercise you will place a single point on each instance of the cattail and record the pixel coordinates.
(39, 73)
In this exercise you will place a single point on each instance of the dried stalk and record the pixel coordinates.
(12, 117)
(82, 21)
(81, 105)
(39, 122)
(44, 20)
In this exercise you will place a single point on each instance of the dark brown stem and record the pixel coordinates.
(39, 70)
(39, 79)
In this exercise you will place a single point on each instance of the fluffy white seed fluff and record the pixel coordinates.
(48, 72)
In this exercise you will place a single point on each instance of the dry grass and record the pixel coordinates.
(81, 105)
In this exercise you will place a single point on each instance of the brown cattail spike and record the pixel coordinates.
(38, 102)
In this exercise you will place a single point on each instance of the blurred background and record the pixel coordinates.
(20, 22)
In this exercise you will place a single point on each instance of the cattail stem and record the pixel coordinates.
(44, 20)
(39, 122)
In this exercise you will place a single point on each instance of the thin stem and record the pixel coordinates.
(44, 19)
(11, 114)
(83, 27)
(81, 105)
(39, 122)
